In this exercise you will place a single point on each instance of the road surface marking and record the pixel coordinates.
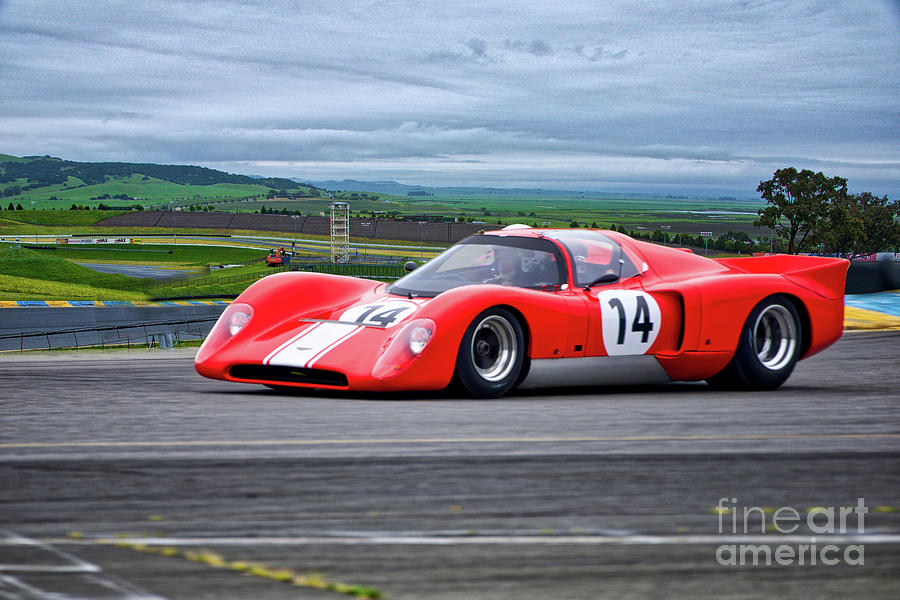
(454, 440)
(85, 572)
(459, 540)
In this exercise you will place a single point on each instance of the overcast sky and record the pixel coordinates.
(601, 95)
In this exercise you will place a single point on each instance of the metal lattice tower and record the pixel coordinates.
(340, 232)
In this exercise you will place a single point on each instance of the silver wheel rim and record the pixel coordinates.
(494, 348)
(775, 337)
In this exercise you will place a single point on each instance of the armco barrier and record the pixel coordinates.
(164, 332)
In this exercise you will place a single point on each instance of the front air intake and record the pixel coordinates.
(288, 375)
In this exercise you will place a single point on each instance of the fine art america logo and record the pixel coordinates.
(787, 536)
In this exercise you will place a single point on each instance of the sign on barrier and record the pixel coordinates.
(93, 240)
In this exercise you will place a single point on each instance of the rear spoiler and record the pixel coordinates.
(819, 274)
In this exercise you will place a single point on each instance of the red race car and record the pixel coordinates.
(526, 308)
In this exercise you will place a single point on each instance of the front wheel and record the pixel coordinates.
(491, 354)
(768, 348)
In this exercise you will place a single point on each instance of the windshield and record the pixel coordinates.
(593, 256)
(516, 261)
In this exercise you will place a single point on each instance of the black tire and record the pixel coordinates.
(767, 350)
(491, 354)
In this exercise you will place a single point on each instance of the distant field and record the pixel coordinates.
(685, 215)
(19, 218)
(53, 183)
(639, 214)
(679, 215)
(606, 211)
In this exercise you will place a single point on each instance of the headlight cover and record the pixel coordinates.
(402, 349)
(238, 319)
(230, 323)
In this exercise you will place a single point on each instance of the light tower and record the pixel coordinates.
(340, 232)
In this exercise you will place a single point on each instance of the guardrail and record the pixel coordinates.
(165, 333)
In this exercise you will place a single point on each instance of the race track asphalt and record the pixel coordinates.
(113, 466)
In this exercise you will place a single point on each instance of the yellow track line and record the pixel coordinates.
(863, 319)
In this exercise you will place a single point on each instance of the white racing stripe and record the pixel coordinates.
(312, 344)
(346, 335)
(288, 343)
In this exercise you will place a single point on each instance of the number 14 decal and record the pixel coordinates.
(381, 314)
(630, 321)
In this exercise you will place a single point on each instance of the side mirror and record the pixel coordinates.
(608, 277)
(605, 278)
(410, 266)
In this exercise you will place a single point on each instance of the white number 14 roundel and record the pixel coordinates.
(631, 321)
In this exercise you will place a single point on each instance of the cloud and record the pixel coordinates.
(606, 92)
(534, 47)
(478, 46)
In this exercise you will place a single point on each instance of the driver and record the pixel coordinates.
(508, 265)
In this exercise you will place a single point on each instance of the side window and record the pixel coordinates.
(595, 255)
(525, 267)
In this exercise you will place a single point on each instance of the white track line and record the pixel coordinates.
(75, 565)
(462, 540)
(452, 440)
(86, 571)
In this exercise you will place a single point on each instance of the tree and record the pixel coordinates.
(843, 229)
(880, 229)
(802, 200)
(860, 224)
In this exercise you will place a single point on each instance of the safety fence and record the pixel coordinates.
(380, 271)
(209, 280)
(384, 272)
(164, 333)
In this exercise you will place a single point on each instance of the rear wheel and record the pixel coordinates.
(491, 354)
(767, 350)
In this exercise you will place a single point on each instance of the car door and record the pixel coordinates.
(624, 318)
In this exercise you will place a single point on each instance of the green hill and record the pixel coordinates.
(58, 183)
(24, 272)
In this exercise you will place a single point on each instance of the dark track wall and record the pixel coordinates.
(875, 276)
(384, 229)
